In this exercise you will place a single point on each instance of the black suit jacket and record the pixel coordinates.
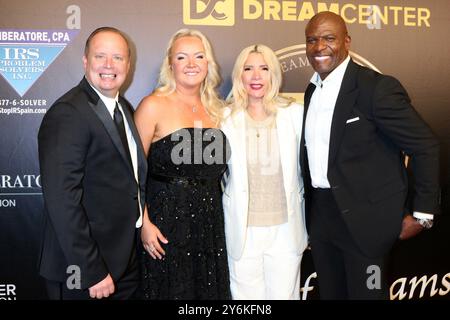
(366, 167)
(90, 191)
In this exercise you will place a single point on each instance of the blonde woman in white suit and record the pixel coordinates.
(263, 197)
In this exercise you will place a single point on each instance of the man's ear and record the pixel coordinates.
(84, 59)
(348, 41)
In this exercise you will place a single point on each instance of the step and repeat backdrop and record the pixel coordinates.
(41, 46)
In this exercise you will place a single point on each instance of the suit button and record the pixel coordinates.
(345, 211)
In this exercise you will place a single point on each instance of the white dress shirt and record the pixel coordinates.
(318, 127)
(110, 104)
(318, 123)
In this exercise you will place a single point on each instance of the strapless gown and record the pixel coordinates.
(184, 200)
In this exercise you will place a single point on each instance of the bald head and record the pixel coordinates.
(328, 16)
(327, 42)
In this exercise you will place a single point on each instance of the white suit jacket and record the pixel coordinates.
(236, 193)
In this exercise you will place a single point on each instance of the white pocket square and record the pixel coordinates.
(352, 120)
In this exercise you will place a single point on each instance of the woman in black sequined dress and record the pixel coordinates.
(184, 254)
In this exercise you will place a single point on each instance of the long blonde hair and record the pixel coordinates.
(272, 99)
(208, 90)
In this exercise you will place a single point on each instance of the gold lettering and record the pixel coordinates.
(409, 13)
(334, 7)
(252, 9)
(423, 15)
(400, 293)
(289, 11)
(371, 15)
(306, 12)
(424, 284)
(364, 12)
(377, 14)
(445, 284)
(344, 15)
(272, 8)
(396, 10)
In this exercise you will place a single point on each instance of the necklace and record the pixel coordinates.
(259, 137)
(258, 125)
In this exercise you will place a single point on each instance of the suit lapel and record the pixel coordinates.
(344, 105)
(102, 112)
(308, 94)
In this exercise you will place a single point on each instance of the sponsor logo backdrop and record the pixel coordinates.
(40, 58)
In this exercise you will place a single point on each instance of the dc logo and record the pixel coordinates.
(208, 12)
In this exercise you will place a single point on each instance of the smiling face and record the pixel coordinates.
(255, 77)
(188, 61)
(107, 62)
(327, 42)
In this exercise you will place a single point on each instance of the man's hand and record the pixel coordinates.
(103, 289)
(410, 227)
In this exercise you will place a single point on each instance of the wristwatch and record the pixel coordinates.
(426, 223)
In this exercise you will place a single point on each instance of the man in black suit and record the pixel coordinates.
(358, 126)
(93, 171)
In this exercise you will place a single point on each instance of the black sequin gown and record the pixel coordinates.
(184, 201)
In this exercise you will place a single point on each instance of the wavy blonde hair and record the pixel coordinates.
(208, 89)
(272, 99)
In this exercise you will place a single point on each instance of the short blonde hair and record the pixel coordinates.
(272, 99)
(208, 90)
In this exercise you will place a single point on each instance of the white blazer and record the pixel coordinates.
(236, 193)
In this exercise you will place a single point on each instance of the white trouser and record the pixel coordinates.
(269, 268)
